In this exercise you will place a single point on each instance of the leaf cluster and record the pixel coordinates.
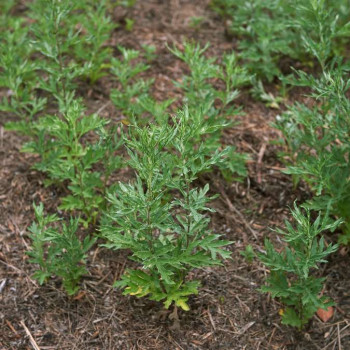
(291, 270)
(216, 86)
(18, 75)
(133, 90)
(58, 250)
(317, 138)
(271, 30)
(160, 218)
(67, 154)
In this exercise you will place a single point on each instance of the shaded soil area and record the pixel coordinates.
(229, 312)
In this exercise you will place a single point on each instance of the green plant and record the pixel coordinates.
(54, 39)
(91, 50)
(216, 110)
(18, 75)
(318, 143)
(259, 93)
(149, 52)
(291, 269)
(57, 250)
(264, 32)
(196, 22)
(128, 96)
(67, 155)
(248, 253)
(125, 3)
(320, 29)
(155, 109)
(160, 217)
(129, 24)
(268, 31)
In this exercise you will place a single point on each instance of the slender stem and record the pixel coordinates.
(59, 56)
(79, 176)
(188, 216)
(149, 224)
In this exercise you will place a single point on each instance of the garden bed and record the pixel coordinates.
(229, 312)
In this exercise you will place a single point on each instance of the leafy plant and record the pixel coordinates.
(215, 111)
(320, 29)
(65, 155)
(264, 32)
(125, 3)
(259, 93)
(149, 52)
(317, 139)
(129, 24)
(291, 270)
(160, 217)
(57, 250)
(131, 91)
(91, 50)
(54, 39)
(196, 22)
(19, 76)
(271, 30)
(248, 253)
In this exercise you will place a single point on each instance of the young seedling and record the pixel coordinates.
(248, 253)
(291, 277)
(58, 250)
(149, 52)
(196, 22)
(160, 217)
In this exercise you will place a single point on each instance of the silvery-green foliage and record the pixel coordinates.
(318, 142)
(215, 111)
(291, 278)
(18, 75)
(160, 217)
(133, 89)
(67, 155)
(57, 250)
(269, 31)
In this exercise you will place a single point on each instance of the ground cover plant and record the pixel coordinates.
(127, 98)
(141, 172)
(17, 74)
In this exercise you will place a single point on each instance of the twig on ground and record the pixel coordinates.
(31, 339)
(241, 216)
(258, 164)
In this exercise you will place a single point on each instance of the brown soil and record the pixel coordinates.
(229, 312)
